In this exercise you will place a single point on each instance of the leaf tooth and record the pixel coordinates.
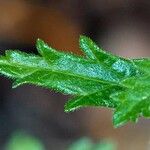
(85, 45)
(43, 47)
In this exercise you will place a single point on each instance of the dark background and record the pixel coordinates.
(122, 27)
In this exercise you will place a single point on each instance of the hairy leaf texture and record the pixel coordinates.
(98, 79)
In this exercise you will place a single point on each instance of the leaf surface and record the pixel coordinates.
(134, 102)
(97, 79)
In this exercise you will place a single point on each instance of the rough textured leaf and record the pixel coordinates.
(120, 65)
(99, 98)
(134, 104)
(60, 82)
(77, 65)
(143, 64)
(97, 79)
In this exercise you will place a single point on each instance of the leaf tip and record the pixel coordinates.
(39, 42)
(83, 38)
(41, 46)
(68, 108)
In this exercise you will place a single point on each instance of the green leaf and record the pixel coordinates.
(99, 98)
(67, 84)
(134, 102)
(70, 63)
(35, 70)
(122, 66)
(143, 64)
(142, 81)
(99, 79)
(93, 52)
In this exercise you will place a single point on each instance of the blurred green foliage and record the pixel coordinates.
(22, 141)
(87, 144)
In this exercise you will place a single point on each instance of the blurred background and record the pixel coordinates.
(122, 27)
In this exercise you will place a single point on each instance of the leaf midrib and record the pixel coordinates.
(65, 73)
